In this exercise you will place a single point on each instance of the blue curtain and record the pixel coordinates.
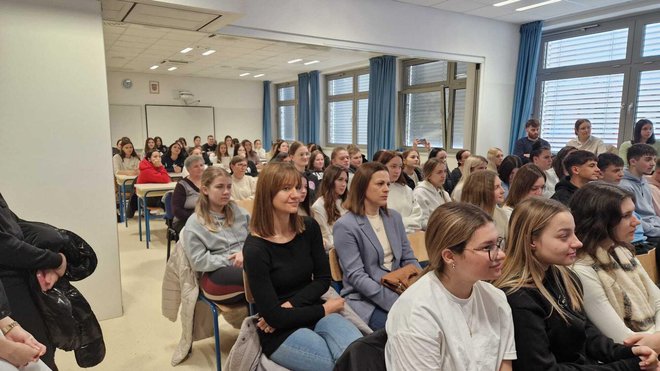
(314, 107)
(382, 102)
(267, 136)
(303, 108)
(528, 63)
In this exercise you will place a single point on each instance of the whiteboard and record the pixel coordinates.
(127, 121)
(172, 122)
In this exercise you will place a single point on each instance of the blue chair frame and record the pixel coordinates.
(216, 329)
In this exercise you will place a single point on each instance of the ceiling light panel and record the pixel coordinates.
(528, 7)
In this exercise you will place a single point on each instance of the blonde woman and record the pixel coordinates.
(484, 189)
(214, 236)
(551, 329)
(430, 193)
(470, 165)
(437, 323)
(495, 157)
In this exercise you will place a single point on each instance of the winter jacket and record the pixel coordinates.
(151, 174)
(364, 354)
(643, 202)
(564, 191)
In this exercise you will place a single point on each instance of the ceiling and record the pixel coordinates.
(508, 13)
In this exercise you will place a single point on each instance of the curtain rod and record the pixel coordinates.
(581, 28)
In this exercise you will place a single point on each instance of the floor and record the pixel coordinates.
(142, 339)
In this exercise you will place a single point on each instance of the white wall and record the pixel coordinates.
(54, 130)
(238, 104)
(388, 25)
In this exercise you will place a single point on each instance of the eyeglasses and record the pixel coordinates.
(493, 250)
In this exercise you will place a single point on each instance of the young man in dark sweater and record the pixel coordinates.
(523, 146)
(582, 167)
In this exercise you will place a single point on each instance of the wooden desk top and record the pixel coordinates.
(122, 178)
(154, 189)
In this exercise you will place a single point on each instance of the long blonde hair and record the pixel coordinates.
(521, 267)
(469, 165)
(491, 155)
(203, 207)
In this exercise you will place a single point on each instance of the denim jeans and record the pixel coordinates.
(319, 349)
(377, 319)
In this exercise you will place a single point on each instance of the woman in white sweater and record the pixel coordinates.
(429, 193)
(400, 197)
(619, 297)
(328, 206)
(243, 187)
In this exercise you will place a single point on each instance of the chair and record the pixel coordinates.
(248, 205)
(335, 270)
(172, 235)
(649, 264)
(248, 295)
(418, 245)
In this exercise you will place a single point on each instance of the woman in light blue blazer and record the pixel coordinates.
(370, 241)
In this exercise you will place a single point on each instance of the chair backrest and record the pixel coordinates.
(418, 245)
(246, 287)
(335, 268)
(167, 200)
(246, 204)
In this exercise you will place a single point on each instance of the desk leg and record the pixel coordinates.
(146, 220)
(122, 203)
(140, 201)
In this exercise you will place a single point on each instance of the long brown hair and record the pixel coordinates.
(272, 179)
(359, 184)
(522, 183)
(479, 190)
(203, 207)
(387, 156)
(327, 191)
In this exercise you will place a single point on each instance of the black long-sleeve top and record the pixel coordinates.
(298, 272)
(4, 303)
(169, 163)
(179, 197)
(17, 256)
(544, 341)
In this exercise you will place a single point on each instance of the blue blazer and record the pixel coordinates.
(361, 258)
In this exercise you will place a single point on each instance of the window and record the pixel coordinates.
(286, 110)
(607, 73)
(433, 102)
(346, 110)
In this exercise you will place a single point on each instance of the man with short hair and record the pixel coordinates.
(523, 146)
(210, 145)
(582, 168)
(641, 161)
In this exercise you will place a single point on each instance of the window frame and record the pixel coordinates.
(283, 103)
(355, 96)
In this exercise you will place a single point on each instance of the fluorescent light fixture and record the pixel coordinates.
(186, 50)
(259, 75)
(209, 52)
(528, 7)
(244, 74)
(311, 62)
(507, 2)
(171, 69)
(294, 60)
(153, 67)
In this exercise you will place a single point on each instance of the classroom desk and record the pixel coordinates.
(123, 181)
(143, 191)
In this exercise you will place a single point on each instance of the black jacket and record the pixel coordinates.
(409, 181)
(564, 191)
(455, 177)
(544, 341)
(364, 354)
(4, 303)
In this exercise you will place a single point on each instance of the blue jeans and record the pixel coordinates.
(319, 349)
(377, 319)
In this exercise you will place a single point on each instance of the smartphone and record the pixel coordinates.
(422, 141)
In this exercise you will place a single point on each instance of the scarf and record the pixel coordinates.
(622, 280)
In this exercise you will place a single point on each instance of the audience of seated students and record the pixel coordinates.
(251, 155)
(529, 182)
(316, 167)
(551, 329)
(542, 158)
(582, 168)
(441, 154)
(642, 133)
(315, 147)
(507, 171)
(222, 155)
(197, 142)
(584, 140)
(174, 158)
(242, 186)
(558, 171)
(654, 184)
(229, 142)
(523, 146)
(411, 172)
(370, 241)
(288, 272)
(210, 146)
(470, 165)
(400, 196)
(186, 192)
(641, 161)
(159, 145)
(494, 157)
(183, 144)
(251, 168)
(429, 193)
(259, 149)
(437, 322)
(456, 174)
(484, 189)
(328, 207)
(214, 237)
(355, 158)
(279, 146)
(619, 297)
(149, 145)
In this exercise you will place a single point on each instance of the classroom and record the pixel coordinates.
(80, 74)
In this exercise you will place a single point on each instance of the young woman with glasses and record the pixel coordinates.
(450, 312)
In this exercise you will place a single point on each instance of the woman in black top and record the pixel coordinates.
(551, 330)
(288, 271)
(174, 158)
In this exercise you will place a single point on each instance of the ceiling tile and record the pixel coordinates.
(459, 5)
